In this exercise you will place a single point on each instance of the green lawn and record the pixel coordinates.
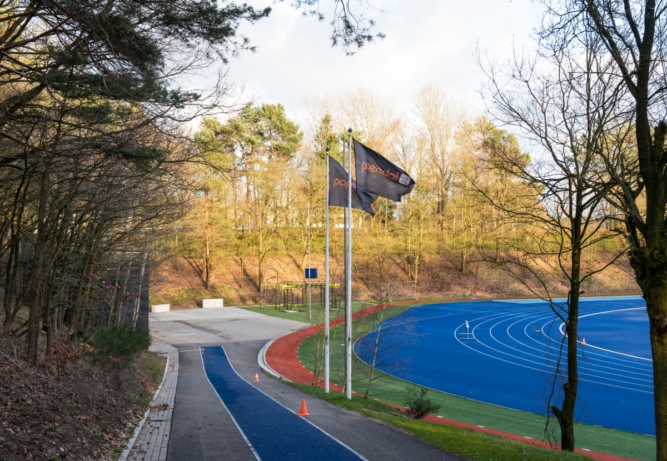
(471, 445)
(390, 389)
(301, 313)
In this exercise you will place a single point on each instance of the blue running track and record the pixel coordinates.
(509, 356)
(272, 431)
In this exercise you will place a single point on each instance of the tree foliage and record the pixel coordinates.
(89, 165)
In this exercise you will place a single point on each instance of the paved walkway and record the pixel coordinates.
(202, 429)
(275, 432)
(153, 439)
(188, 422)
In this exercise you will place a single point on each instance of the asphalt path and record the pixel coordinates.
(202, 428)
(200, 431)
(274, 431)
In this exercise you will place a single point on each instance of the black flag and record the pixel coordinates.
(338, 189)
(377, 176)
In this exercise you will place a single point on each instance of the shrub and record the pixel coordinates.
(417, 404)
(118, 346)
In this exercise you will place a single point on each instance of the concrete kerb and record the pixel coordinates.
(144, 443)
(261, 360)
(137, 430)
(433, 418)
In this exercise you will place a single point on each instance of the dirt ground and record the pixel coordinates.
(178, 281)
(75, 411)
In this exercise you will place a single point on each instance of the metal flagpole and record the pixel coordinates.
(348, 277)
(345, 243)
(326, 286)
(309, 270)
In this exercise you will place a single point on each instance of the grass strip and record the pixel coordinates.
(390, 389)
(300, 314)
(469, 444)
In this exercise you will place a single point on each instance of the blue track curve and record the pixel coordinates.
(511, 351)
(273, 432)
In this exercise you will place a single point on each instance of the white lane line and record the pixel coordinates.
(609, 350)
(618, 359)
(289, 409)
(591, 373)
(541, 364)
(590, 354)
(599, 364)
(603, 358)
(201, 355)
(531, 312)
(599, 358)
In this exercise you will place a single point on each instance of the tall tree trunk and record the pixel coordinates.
(113, 307)
(14, 259)
(207, 233)
(649, 266)
(649, 262)
(657, 311)
(80, 298)
(34, 285)
(10, 277)
(565, 415)
(142, 272)
(121, 312)
(47, 309)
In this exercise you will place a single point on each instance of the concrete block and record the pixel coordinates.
(207, 303)
(160, 308)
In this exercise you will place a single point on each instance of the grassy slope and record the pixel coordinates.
(471, 445)
(390, 389)
(301, 314)
(178, 281)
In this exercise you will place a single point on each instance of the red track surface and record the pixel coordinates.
(282, 356)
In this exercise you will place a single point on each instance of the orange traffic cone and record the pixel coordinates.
(304, 410)
(256, 377)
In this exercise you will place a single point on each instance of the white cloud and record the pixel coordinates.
(428, 41)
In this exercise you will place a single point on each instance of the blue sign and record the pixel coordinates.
(311, 273)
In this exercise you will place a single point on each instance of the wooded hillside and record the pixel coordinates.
(466, 227)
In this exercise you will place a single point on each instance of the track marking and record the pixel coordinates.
(599, 368)
(588, 377)
(201, 356)
(609, 350)
(286, 408)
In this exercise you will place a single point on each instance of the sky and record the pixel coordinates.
(427, 42)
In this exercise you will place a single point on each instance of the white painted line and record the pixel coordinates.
(225, 406)
(539, 364)
(609, 350)
(288, 409)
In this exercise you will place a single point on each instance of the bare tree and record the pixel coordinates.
(439, 121)
(379, 344)
(632, 34)
(565, 102)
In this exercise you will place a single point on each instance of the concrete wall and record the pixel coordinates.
(160, 308)
(208, 303)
